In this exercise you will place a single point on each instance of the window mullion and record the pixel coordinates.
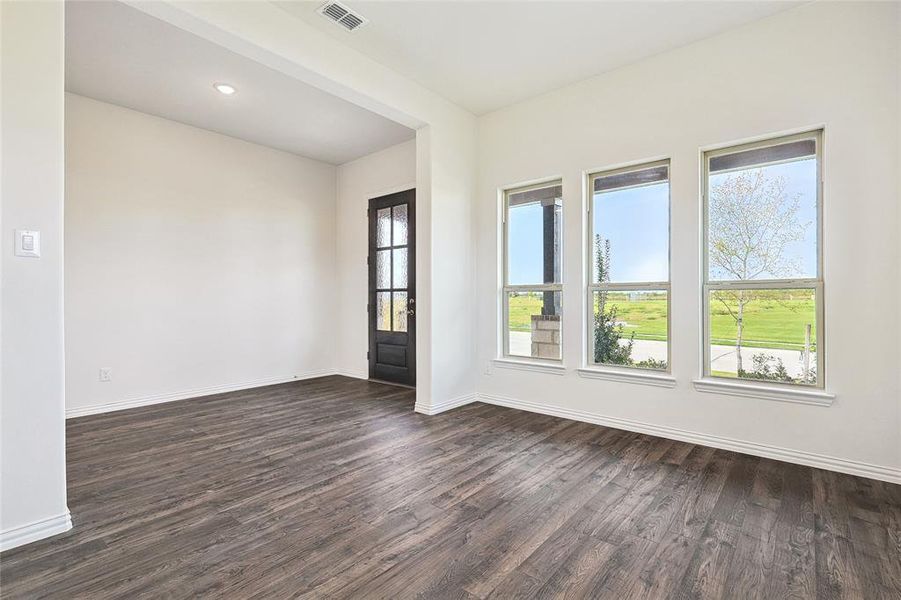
(768, 284)
(532, 288)
(637, 286)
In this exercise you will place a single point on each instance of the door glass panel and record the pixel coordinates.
(400, 311)
(400, 225)
(383, 311)
(383, 225)
(400, 268)
(383, 269)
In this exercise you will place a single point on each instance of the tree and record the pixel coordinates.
(751, 222)
(607, 333)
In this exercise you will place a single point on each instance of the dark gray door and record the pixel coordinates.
(392, 288)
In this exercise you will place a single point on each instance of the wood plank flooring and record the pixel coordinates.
(334, 488)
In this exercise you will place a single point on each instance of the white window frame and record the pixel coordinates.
(506, 287)
(813, 283)
(645, 286)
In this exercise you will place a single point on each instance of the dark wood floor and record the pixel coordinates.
(334, 488)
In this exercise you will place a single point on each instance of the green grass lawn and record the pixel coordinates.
(772, 320)
(522, 308)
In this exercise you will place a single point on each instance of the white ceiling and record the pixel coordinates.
(121, 55)
(486, 55)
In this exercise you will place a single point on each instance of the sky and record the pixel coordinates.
(636, 221)
(525, 237)
(801, 179)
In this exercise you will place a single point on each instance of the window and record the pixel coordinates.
(763, 282)
(628, 290)
(533, 234)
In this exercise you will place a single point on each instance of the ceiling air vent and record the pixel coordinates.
(343, 16)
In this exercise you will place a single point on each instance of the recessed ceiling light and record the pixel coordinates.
(225, 88)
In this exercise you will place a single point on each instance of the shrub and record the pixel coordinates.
(651, 363)
(607, 333)
(766, 367)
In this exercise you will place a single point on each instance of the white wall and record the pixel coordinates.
(452, 296)
(32, 426)
(390, 170)
(832, 64)
(195, 262)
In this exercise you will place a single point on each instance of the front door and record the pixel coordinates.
(392, 288)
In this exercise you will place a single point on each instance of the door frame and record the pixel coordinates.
(408, 196)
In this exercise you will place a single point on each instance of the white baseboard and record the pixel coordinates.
(32, 532)
(349, 373)
(810, 459)
(821, 461)
(440, 407)
(96, 409)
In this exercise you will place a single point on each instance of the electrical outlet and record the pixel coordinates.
(487, 367)
(106, 374)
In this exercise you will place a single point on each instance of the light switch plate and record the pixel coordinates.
(28, 243)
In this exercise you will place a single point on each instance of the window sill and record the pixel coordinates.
(528, 365)
(765, 392)
(623, 376)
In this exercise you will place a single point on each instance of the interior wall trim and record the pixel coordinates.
(351, 373)
(810, 459)
(95, 409)
(800, 457)
(440, 407)
(34, 531)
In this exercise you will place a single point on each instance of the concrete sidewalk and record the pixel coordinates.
(722, 357)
